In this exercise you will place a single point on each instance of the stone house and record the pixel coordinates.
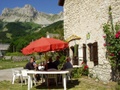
(48, 35)
(85, 18)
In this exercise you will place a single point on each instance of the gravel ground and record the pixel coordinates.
(6, 74)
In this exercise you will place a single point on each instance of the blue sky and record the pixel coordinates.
(47, 6)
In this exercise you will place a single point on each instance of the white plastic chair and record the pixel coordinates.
(69, 76)
(51, 76)
(24, 76)
(16, 74)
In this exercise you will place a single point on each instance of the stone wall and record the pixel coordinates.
(101, 72)
(88, 16)
(20, 58)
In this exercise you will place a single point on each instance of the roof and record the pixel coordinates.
(4, 46)
(61, 2)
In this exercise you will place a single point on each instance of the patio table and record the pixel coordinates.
(63, 73)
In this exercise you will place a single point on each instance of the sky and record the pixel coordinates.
(46, 6)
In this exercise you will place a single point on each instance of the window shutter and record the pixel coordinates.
(95, 53)
(90, 45)
(84, 53)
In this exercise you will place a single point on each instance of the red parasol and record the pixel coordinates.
(44, 45)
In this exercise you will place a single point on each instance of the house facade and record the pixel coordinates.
(3, 48)
(85, 18)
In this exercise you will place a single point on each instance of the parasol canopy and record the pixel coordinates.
(44, 45)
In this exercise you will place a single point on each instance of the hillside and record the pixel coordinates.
(11, 30)
(19, 34)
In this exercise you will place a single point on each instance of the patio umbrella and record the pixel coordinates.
(44, 45)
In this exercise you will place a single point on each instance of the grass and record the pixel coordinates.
(5, 64)
(83, 83)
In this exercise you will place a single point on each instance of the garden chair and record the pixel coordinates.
(16, 74)
(51, 76)
(69, 75)
(25, 76)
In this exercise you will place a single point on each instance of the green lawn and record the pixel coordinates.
(5, 64)
(83, 83)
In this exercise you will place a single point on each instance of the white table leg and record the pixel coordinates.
(29, 82)
(64, 81)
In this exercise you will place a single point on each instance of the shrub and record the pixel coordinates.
(14, 54)
(112, 44)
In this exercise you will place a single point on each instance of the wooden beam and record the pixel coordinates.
(61, 2)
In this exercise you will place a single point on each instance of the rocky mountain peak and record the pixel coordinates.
(28, 10)
(29, 14)
(6, 10)
(28, 6)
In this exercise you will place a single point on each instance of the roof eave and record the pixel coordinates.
(61, 2)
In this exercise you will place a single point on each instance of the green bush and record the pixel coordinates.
(14, 54)
(77, 72)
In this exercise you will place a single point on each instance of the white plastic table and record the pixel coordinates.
(63, 73)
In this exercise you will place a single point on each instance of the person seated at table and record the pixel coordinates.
(57, 61)
(30, 65)
(50, 65)
(68, 64)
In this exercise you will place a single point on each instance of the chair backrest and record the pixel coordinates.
(16, 72)
(24, 72)
(52, 69)
(52, 75)
(69, 75)
(70, 71)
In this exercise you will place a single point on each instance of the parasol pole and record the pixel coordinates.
(46, 59)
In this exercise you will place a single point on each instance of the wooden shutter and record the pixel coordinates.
(84, 53)
(90, 45)
(95, 53)
(75, 58)
(72, 48)
(76, 50)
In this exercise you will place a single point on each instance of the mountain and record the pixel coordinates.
(20, 34)
(29, 14)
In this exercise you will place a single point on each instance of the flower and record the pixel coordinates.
(118, 32)
(104, 36)
(117, 35)
(85, 67)
(104, 44)
(111, 54)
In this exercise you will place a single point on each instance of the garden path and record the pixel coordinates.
(6, 74)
